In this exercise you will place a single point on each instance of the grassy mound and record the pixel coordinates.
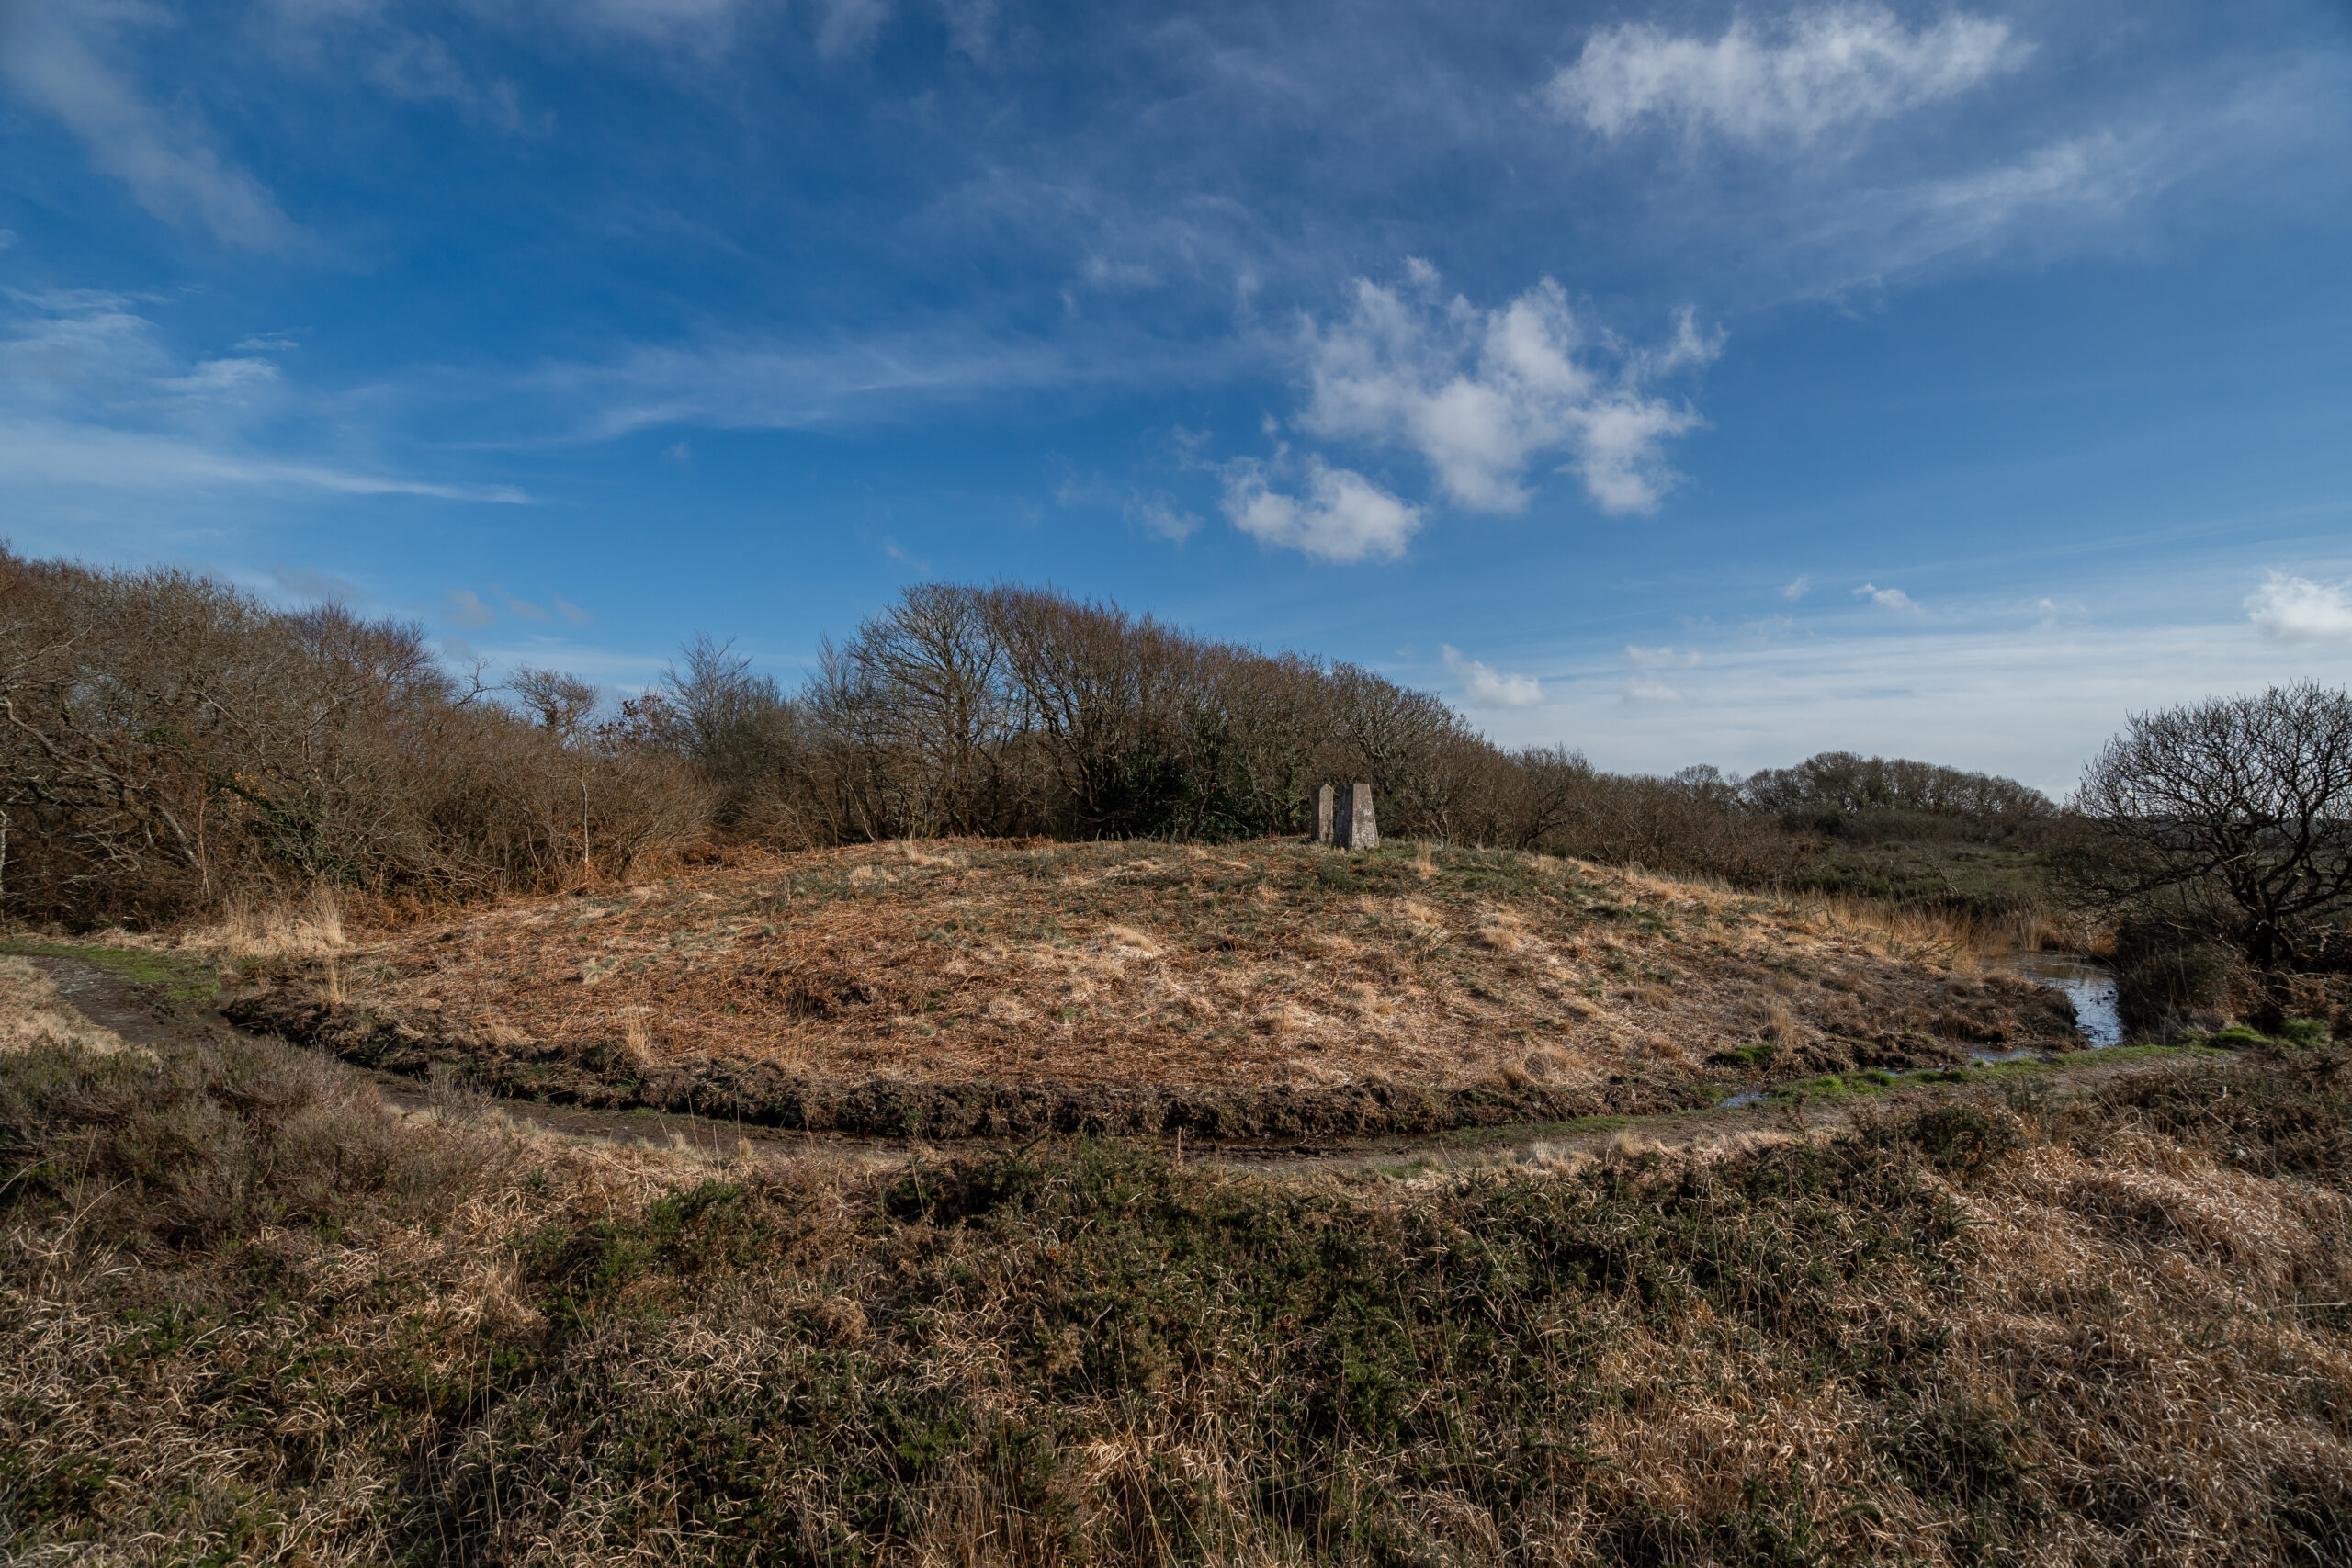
(987, 987)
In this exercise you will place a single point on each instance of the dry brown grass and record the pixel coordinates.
(254, 926)
(1945, 937)
(2100, 1328)
(35, 1016)
(1109, 964)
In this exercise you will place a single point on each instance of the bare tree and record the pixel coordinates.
(559, 703)
(2234, 815)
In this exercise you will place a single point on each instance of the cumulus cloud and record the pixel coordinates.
(169, 164)
(1886, 598)
(1650, 673)
(1824, 66)
(1341, 516)
(1482, 395)
(1488, 687)
(2296, 609)
(1797, 590)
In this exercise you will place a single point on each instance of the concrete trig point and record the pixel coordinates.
(1343, 817)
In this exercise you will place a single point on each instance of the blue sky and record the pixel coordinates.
(1681, 383)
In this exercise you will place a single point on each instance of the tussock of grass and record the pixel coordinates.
(248, 1312)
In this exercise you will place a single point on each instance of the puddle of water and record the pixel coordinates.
(2092, 989)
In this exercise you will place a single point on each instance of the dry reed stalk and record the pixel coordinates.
(637, 1037)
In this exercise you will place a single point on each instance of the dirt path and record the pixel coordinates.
(142, 1014)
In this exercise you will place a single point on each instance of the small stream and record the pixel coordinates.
(2091, 986)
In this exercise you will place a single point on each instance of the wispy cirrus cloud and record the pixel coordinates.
(93, 399)
(52, 55)
(1651, 674)
(1819, 68)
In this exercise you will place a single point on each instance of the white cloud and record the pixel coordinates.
(1159, 515)
(467, 609)
(1482, 395)
(570, 611)
(1797, 590)
(664, 22)
(1342, 517)
(305, 583)
(524, 608)
(1486, 687)
(678, 452)
(170, 164)
(850, 27)
(2296, 609)
(1886, 598)
(1970, 689)
(91, 398)
(419, 68)
(45, 452)
(1825, 66)
(1650, 673)
(971, 27)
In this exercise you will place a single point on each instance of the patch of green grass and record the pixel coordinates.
(1521, 1132)
(180, 980)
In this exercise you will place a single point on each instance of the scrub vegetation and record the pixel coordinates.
(251, 1312)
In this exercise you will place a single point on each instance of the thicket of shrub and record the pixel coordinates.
(171, 743)
(168, 743)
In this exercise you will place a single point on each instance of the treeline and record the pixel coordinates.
(171, 742)
(168, 744)
(1013, 710)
